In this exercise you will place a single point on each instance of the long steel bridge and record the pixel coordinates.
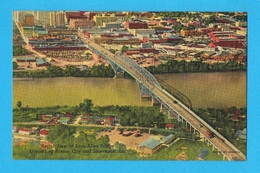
(149, 85)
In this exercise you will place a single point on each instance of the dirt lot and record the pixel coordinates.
(63, 62)
(131, 142)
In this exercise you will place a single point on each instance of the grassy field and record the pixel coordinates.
(192, 150)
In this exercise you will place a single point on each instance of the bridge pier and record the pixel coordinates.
(208, 143)
(119, 75)
(145, 97)
(224, 157)
(155, 102)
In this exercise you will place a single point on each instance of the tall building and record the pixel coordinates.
(19, 16)
(57, 18)
(101, 18)
(29, 20)
(42, 18)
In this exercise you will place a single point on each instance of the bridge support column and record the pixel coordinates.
(119, 75)
(155, 102)
(145, 96)
(224, 157)
(203, 137)
(213, 147)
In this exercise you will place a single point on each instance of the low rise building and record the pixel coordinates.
(149, 147)
(169, 126)
(44, 132)
(28, 59)
(191, 33)
(15, 129)
(25, 131)
(168, 139)
(136, 25)
(41, 62)
(81, 23)
(141, 31)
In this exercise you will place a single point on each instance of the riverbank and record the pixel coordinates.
(22, 79)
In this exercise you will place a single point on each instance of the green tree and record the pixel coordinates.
(15, 65)
(86, 106)
(124, 48)
(54, 71)
(19, 104)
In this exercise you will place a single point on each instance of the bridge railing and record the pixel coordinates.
(142, 70)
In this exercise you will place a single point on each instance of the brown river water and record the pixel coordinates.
(218, 90)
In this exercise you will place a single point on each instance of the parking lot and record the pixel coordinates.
(131, 141)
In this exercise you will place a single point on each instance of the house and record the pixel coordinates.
(150, 146)
(235, 117)
(24, 131)
(86, 116)
(53, 121)
(29, 59)
(168, 139)
(41, 62)
(35, 130)
(45, 119)
(107, 123)
(68, 115)
(169, 126)
(44, 132)
(64, 120)
(111, 120)
(242, 135)
(15, 129)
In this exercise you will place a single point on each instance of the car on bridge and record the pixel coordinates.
(210, 134)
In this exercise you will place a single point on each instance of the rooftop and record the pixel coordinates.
(40, 61)
(167, 138)
(150, 143)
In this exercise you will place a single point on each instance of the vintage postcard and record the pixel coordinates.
(129, 85)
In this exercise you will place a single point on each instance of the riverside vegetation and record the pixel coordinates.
(132, 117)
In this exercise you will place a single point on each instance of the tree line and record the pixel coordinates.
(174, 66)
(69, 71)
(19, 50)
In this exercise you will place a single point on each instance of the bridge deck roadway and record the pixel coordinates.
(224, 147)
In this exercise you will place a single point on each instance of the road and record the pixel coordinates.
(227, 149)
